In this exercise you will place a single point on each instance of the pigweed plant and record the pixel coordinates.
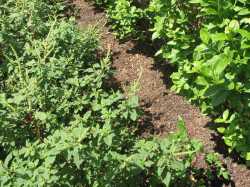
(59, 124)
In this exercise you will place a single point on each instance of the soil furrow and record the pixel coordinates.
(162, 107)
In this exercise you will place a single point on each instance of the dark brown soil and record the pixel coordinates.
(162, 107)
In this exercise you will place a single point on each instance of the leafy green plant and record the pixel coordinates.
(59, 125)
(217, 167)
(93, 155)
(215, 173)
(175, 23)
(216, 77)
(124, 18)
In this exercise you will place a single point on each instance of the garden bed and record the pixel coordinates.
(135, 61)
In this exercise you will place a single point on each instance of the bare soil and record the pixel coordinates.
(162, 108)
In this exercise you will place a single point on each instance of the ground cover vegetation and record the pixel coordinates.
(60, 125)
(208, 41)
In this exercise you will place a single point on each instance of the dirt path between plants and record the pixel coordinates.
(162, 107)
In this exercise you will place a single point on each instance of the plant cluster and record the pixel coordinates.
(124, 15)
(214, 174)
(59, 124)
(217, 166)
(209, 42)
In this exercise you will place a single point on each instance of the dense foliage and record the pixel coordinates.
(209, 42)
(59, 123)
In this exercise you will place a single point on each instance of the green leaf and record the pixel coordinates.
(245, 21)
(201, 81)
(219, 37)
(155, 35)
(76, 157)
(244, 33)
(182, 130)
(219, 98)
(212, 90)
(204, 35)
(226, 114)
(221, 130)
(196, 1)
(133, 115)
(7, 160)
(244, 11)
(248, 156)
(109, 139)
(133, 101)
(219, 63)
(234, 25)
(167, 179)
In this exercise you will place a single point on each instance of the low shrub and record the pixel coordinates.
(60, 125)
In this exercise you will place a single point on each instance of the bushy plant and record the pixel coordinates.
(125, 17)
(92, 155)
(59, 123)
(175, 23)
(217, 75)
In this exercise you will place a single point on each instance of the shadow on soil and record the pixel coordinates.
(149, 49)
(146, 126)
(220, 146)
